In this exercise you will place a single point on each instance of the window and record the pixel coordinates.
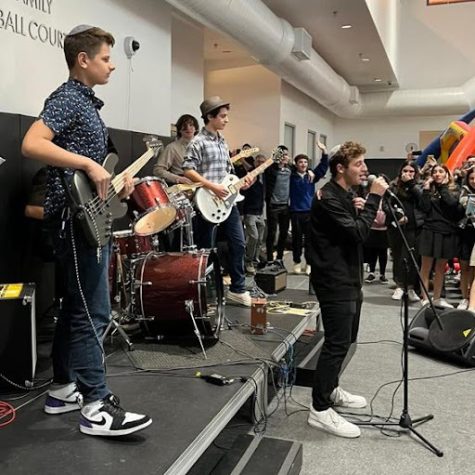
(289, 138)
(311, 146)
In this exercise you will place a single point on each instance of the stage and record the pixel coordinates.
(188, 413)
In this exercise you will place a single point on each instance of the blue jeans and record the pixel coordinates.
(77, 353)
(205, 233)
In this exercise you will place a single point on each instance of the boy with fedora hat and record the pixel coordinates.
(207, 162)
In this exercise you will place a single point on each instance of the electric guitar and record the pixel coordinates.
(243, 154)
(216, 210)
(95, 215)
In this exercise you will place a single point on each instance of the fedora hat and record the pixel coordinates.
(211, 104)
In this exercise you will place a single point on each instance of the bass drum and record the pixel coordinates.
(170, 285)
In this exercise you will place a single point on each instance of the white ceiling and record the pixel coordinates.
(434, 44)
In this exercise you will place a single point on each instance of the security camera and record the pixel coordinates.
(131, 46)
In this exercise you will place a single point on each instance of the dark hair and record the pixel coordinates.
(89, 42)
(347, 152)
(283, 148)
(215, 112)
(451, 183)
(300, 156)
(246, 145)
(186, 119)
(413, 165)
(466, 182)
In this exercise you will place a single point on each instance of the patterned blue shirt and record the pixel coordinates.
(208, 154)
(72, 113)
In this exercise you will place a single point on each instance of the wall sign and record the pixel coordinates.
(26, 18)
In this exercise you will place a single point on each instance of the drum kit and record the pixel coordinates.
(171, 294)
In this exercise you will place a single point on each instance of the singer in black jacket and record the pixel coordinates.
(340, 224)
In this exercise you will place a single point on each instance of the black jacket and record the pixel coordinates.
(336, 245)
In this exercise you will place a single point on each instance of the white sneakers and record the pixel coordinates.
(332, 422)
(243, 298)
(398, 293)
(342, 398)
(463, 305)
(411, 295)
(297, 268)
(62, 398)
(442, 303)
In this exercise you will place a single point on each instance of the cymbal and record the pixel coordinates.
(180, 187)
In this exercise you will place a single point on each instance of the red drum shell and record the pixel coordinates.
(130, 244)
(167, 281)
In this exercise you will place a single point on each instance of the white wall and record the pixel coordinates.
(254, 93)
(391, 133)
(187, 68)
(386, 17)
(305, 114)
(31, 69)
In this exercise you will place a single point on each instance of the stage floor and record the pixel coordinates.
(187, 412)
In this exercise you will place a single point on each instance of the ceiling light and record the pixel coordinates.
(378, 80)
(346, 27)
(365, 60)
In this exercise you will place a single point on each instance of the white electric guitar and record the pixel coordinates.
(216, 210)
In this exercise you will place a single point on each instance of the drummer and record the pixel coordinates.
(169, 163)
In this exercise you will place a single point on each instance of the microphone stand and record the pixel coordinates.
(405, 421)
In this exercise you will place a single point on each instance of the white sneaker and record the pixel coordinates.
(62, 398)
(412, 296)
(443, 303)
(303, 267)
(398, 293)
(308, 270)
(297, 268)
(330, 421)
(424, 302)
(243, 298)
(342, 398)
(106, 418)
(463, 305)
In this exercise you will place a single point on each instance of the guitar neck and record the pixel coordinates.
(131, 170)
(257, 171)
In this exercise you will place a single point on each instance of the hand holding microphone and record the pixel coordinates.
(378, 186)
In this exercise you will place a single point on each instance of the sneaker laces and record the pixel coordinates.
(113, 403)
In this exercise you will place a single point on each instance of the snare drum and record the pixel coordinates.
(130, 244)
(152, 206)
(170, 285)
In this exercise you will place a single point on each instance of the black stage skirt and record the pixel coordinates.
(438, 245)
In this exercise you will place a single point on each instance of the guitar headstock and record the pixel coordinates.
(248, 152)
(277, 155)
(153, 143)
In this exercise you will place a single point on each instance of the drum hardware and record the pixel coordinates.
(115, 326)
(190, 309)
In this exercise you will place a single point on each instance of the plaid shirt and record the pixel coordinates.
(208, 154)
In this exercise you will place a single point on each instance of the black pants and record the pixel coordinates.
(277, 215)
(341, 322)
(373, 255)
(300, 235)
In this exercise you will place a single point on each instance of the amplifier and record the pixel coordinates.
(17, 335)
(271, 279)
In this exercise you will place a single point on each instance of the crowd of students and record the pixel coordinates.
(433, 207)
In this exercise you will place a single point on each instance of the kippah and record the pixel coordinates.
(79, 29)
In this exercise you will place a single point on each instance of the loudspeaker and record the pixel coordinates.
(424, 332)
(17, 335)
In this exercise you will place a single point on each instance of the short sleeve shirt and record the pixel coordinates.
(72, 113)
(208, 154)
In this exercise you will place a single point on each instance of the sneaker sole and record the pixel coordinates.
(61, 410)
(234, 302)
(115, 433)
(346, 435)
